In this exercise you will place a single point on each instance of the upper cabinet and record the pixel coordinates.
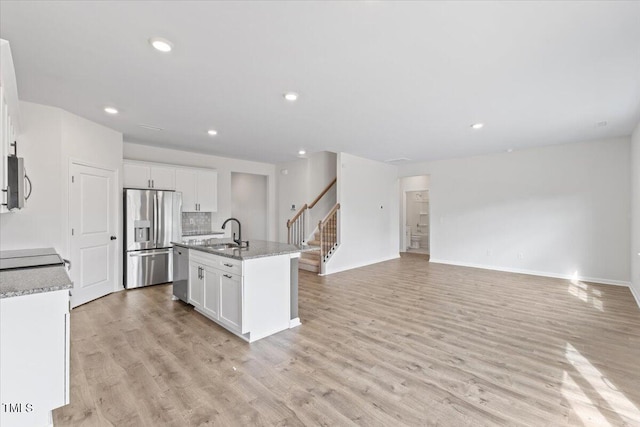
(9, 114)
(149, 175)
(199, 189)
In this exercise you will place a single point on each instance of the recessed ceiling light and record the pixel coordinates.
(290, 96)
(509, 150)
(477, 125)
(212, 132)
(302, 152)
(110, 110)
(160, 44)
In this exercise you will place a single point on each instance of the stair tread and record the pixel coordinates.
(310, 261)
(310, 255)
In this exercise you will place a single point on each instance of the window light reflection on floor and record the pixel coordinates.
(600, 384)
(583, 292)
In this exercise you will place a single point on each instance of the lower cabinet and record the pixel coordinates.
(216, 293)
(34, 357)
(251, 297)
(211, 292)
(196, 284)
(231, 300)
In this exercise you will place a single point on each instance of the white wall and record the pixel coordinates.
(304, 179)
(553, 211)
(249, 204)
(368, 196)
(224, 166)
(293, 178)
(50, 138)
(40, 143)
(635, 214)
(322, 170)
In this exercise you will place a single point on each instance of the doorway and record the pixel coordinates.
(92, 220)
(417, 221)
(249, 204)
(415, 215)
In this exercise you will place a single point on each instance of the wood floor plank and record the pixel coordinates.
(404, 342)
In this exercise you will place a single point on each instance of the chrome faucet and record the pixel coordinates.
(239, 240)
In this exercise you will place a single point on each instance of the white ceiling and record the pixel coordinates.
(381, 80)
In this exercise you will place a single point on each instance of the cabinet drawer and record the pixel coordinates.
(229, 265)
(224, 264)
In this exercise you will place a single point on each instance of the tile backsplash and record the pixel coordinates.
(196, 222)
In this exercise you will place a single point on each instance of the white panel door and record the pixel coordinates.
(186, 184)
(208, 191)
(93, 214)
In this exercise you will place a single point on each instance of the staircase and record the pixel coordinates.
(325, 238)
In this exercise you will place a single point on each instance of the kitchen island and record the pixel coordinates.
(251, 291)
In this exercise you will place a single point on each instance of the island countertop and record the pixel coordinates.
(256, 249)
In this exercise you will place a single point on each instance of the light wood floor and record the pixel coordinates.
(403, 342)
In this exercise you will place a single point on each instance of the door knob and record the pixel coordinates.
(113, 237)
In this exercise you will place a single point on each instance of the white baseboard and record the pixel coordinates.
(636, 294)
(534, 273)
(358, 265)
(294, 322)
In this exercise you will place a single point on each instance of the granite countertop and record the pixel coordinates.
(27, 281)
(256, 249)
(200, 233)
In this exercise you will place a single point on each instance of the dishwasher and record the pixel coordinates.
(181, 273)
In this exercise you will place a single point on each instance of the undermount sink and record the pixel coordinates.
(222, 246)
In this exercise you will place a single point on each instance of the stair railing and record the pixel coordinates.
(329, 235)
(297, 226)
(296, 230)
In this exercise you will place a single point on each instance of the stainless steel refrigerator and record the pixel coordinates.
(152, 220)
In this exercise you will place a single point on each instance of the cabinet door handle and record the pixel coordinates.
(153, 184)
(227, 276)
(227, 265)
(148, 183)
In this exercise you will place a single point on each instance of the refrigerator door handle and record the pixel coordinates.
(155, 219)
(146, 253)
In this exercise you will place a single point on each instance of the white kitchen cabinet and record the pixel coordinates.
(222, 299)
(199, 189)
(196, 284)
(9, 113)
(186, 183)
(231, 300)
(250, 298)
(207, 191)
(34, 356)
(211, 292)
(204, 288)
(148, 175)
